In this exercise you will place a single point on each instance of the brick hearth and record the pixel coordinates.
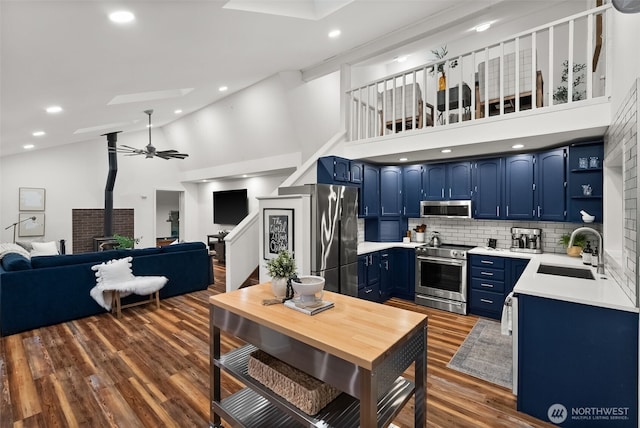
(89, 223)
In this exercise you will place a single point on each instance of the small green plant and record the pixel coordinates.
(561, 93)
(125, 242)
(441, 54)
(579, 240)
(283, 266)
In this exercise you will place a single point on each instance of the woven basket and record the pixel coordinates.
(303, 391)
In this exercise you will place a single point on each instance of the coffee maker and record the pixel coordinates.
(525, 240)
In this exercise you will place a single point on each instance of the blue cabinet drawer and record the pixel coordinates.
(487, 273)
(487, 285)
(487, 301)
(371, 292)
(488, 261)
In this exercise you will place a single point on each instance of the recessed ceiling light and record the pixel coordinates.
(483, 27)
(38, 133)
(403, 159)
(177, 111)
(517, 146)
(122, 16)
(402, 58)
(222, 88)
(28, 146)
(54, 109)
(446, 150)
(334, 33)
(205, 180)
(244, 175)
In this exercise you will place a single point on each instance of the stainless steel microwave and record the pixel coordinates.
(446, 209)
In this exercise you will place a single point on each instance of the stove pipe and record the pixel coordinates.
(112, 138)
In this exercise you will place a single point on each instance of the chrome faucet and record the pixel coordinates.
(600, 268)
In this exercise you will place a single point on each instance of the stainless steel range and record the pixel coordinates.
(441, 277)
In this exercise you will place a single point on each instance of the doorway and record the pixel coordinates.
(168, 214)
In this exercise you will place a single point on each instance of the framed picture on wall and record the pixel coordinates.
(32, 199)
(30, 227)
(278, 231)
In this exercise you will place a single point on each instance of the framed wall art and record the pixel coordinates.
(278, 231)
(32, 199)
(30, 227)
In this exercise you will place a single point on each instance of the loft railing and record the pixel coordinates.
(482, 83)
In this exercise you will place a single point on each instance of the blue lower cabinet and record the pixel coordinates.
(403, 273)
(386, 279)
(370, 292)
(577, 364)
(487, 303)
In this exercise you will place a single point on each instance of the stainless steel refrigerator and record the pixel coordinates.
(334, 234)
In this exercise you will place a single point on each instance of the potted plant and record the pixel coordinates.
(561, 93)
(579, 241)
(441, 54)
(125, 242)
(280, 269)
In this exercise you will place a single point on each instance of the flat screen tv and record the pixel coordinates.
(230, 206)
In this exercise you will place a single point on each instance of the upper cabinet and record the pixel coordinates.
(447, 181)
(337, 170)
(584, 186)
(519, 187)
(412, 190)
(551, 182)
(391, 191)
(488, 179)
(370, 189)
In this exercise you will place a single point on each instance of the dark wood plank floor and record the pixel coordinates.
(151, 369)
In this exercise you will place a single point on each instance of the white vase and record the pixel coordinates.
(279, 287)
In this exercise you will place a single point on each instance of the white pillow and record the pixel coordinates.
(114, 271)
(44, 249)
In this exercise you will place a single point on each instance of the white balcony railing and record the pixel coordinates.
(550, 56)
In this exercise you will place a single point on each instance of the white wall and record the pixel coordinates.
(75, 175)
(625, 66)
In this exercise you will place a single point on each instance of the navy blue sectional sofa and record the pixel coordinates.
(49, 290)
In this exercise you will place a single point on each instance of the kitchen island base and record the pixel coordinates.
(373, 389)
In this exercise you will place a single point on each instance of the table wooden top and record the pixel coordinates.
(355, 330)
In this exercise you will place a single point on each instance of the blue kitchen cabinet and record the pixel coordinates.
(585, 169)
(391, 191)
(577, 364)
(447, 181)
(458, 181)
(369, 276)
(403, 273)
(356, 170)
(386, 278)
(488, 178)
(370, 188)
(519, 187)
(550, 183)
(412, 190)
(385, 229)
(434, 182)
(491, 279)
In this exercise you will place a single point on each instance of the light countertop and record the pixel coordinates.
(602, 292)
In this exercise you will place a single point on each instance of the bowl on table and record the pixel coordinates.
(308, 288)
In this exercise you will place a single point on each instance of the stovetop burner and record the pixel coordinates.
(452, 251)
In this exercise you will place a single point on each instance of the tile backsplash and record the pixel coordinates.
(477, 232)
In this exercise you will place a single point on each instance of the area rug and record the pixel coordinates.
(485, 354)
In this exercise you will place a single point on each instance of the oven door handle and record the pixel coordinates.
(442, 260)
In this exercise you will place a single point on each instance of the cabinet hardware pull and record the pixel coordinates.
(449, 192)
(486, 262)
(486, 301)
(538, 210)
(507, 210)
(498, 211)
(486, 273)
(486, 285)
(442, 192)
(370, 290)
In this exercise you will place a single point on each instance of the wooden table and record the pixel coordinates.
(359, 347)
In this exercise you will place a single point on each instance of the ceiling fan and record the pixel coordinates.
(150, 151)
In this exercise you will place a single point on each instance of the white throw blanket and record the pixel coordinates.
(506, 323)
(141, 285)
(6, 248)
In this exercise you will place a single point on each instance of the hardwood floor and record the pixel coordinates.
(150, 368)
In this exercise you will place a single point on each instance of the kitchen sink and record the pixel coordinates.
(566, 271)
